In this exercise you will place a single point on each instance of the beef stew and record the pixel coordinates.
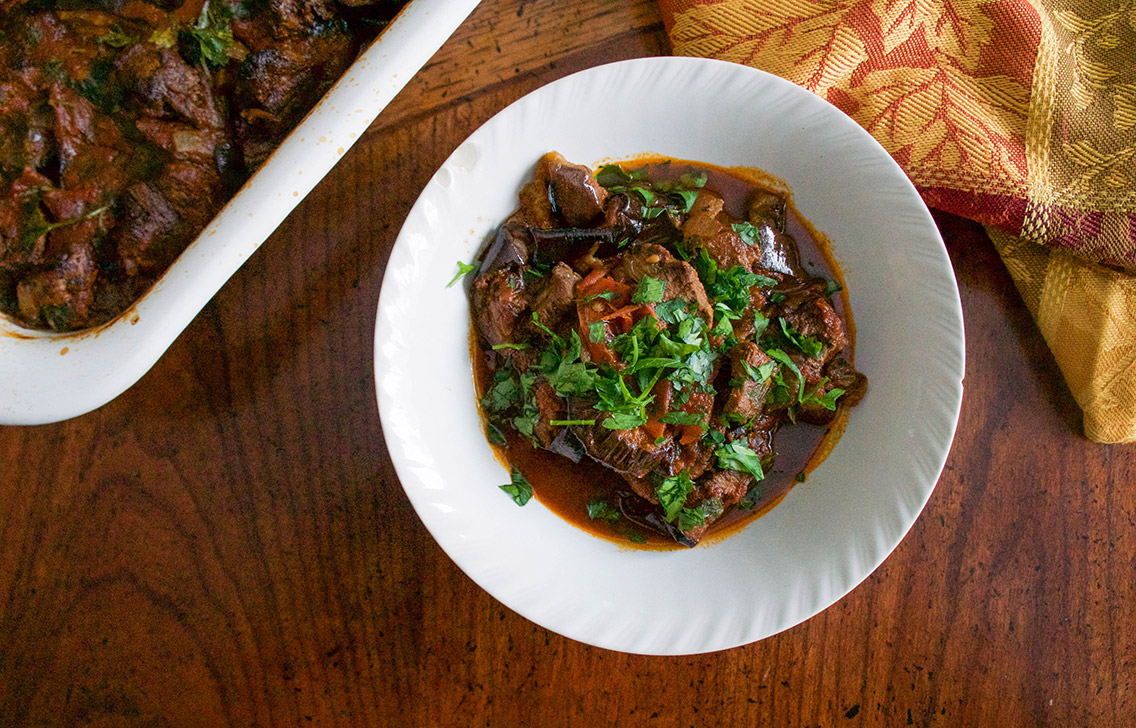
(125, 125)
(656, 354)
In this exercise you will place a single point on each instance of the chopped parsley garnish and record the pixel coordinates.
(748, 232)
(807, 344)
(689, 518)
(612, 175)
(601, 510)
(213, 33)
(518, 488)
(761, 372)
(782, 358)
(464, 269)
(760, 324)
(39, 226)
(597, 332)
(737, 455)
(519, 347)
(116, 37)
(650, 290)
(673, 492)
(673, 311)
(831, 287)
(684, 418)
(565, 423)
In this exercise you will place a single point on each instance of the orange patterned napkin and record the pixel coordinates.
(1021, 115)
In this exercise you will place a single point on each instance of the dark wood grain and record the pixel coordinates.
(227, 544)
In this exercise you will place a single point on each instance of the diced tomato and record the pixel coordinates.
(654, 428)
(603, 284)
(690, 434)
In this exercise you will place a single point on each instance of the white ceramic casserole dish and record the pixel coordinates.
(47, 377)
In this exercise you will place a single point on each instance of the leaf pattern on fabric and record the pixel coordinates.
(806, 41)
(944, 118)
(956, 28)
(1019, 113)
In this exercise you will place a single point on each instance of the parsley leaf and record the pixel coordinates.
(684, 418)
(648, 196)
(213, 33)
(518, 488)
(673, 492)
(762, 372)
(601, 510)
(650, 290)
(826, 400)
(783, 358)
(673, 311)
(747, 231)
(116, 37)
(737, 455)
(612, 175)
(807, 344)
(760, 324)
(463, 270)
(597, 332)
(689, 518)
(624, 420)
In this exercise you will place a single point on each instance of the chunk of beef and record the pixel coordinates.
(20, 211)
(162, 84)
(839, 374)
(276, 87)
(746, 398)
(768, 207)
(147, 234)
(60, 297)
(92, 150)
(679, 279)
(707, 226)
(556, 297)
(551, 407)
(629, 452)
(809, 312)
(497, 300)
(183, 142)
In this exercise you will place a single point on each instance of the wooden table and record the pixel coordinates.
(227, 544)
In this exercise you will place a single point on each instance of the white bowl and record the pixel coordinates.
(828, 534)
(49, 377)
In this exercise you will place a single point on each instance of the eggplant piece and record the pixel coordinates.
(769, 207)
(564, 244)
(568, 445)
(510, 247)
(632, 508)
